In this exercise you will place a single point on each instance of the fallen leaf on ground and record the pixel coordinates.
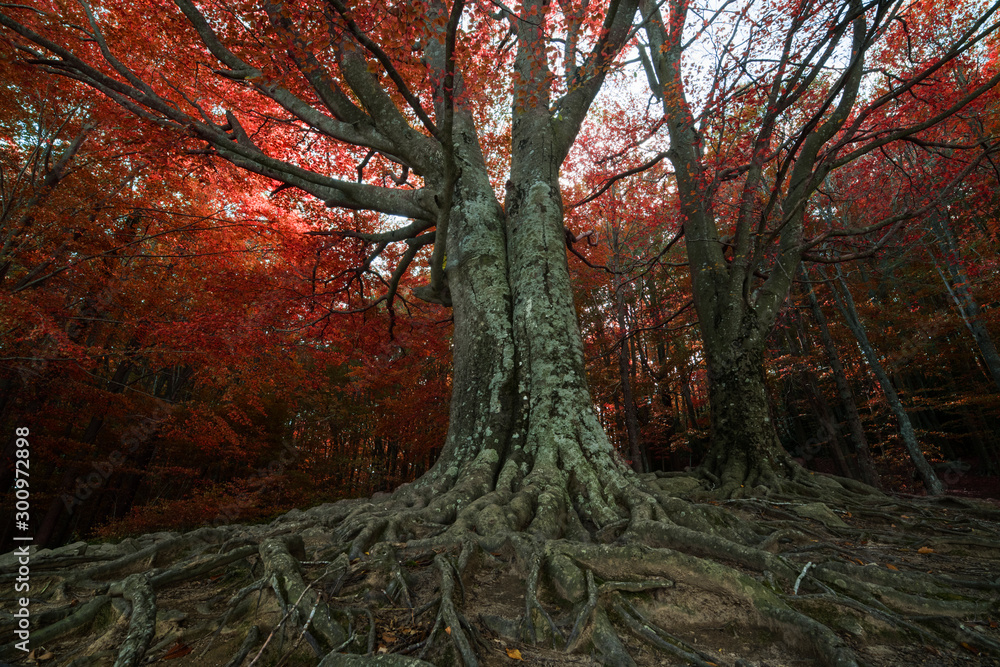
(925, 550)
(178, 650)
(514, 654)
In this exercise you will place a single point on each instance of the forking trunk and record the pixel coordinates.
(521, 415)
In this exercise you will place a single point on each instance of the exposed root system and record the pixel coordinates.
(820, 572)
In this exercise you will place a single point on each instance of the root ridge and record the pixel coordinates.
(517, 572)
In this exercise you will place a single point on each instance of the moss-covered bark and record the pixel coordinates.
(745, 455)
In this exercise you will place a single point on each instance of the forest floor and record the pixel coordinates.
(219, 602)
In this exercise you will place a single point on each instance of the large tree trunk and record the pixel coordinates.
(521, 414)
(482, 403)
(740, 282)
(523, 425)
(745, 450)
(564, 447)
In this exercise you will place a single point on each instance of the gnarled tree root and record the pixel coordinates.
(412, 575)
(142, 626)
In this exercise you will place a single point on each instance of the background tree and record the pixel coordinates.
(793, 95)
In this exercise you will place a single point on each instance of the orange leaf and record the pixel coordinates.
(179, 650)
(448, 629)
(892, 567)
(925, 550)
(514, 654)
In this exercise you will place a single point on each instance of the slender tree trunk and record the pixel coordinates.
(868, 472)
(688, 399)
(624, 360)
(845, 303)
(628, 401)
(828, 424)
(829, 431)
(957, 284)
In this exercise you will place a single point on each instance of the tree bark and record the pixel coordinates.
(745, 451)
(734, 312)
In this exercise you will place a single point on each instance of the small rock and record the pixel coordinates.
(821, 513)
(9, 561)
(168, 619)
(129, 546)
